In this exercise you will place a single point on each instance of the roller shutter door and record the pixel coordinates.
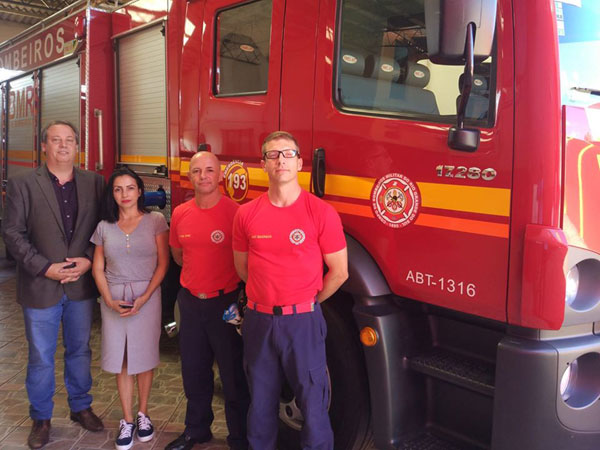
(21, 155)
(2, 149)
(60, 93)
(2, 115)
(142, 111)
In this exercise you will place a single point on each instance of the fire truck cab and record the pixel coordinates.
(473, 275)
(458, 140)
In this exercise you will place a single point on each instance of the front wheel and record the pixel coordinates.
(349, 408)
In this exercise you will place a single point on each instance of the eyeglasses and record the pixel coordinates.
(287, 153)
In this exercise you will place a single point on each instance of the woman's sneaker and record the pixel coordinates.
(145, 430)
(125, 439)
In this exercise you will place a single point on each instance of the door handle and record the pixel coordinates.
(318, 172)
(100, 162)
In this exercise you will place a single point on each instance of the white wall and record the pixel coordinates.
(10, 29)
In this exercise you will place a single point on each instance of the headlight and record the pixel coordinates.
(582, 292)
(568, 381)
(580, 384)
(572, 285)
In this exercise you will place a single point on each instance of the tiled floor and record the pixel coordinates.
(167, 402)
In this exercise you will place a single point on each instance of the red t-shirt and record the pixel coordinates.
(286, 246)
(205, 237)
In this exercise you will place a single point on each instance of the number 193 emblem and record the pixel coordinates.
(235, 180)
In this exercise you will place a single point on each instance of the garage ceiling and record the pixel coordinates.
(30, 12)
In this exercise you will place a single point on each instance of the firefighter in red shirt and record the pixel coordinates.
(200, 242)
(280, 241)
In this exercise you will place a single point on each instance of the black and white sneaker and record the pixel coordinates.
(145, 430)
(125, 439)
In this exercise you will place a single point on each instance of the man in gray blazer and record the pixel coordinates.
(50, 214)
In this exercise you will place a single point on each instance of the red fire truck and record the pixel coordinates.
(458, 139)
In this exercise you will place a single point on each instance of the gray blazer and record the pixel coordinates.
(34, 234)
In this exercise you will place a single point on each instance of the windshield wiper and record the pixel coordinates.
(585, 90)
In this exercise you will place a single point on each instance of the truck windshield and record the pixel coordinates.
(383, 67)
(578, 24)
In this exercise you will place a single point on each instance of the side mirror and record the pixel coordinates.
(446, 22)
(460, 32)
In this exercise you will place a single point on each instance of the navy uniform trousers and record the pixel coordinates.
(203, 338)
(290, 346)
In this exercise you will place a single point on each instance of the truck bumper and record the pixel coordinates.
(531, 411)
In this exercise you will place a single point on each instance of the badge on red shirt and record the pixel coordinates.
(297, 236)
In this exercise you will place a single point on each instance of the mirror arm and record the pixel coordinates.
(459, 137)
(468, 76)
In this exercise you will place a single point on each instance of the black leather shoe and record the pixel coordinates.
(237, 444)
(40, 434)
(185, 442)
(87, 419)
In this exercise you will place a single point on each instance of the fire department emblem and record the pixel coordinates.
(395, 200)
(217, 236)
(236, 180)
(297, 236)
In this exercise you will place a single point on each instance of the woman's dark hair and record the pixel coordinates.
(110, 209)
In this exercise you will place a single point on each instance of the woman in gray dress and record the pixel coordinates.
(130, 261)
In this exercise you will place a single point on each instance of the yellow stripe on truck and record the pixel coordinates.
(338, 185)
(258, 177)
(144, 159)
(474, 199)
(22, 155)
(450, 197)
(347, 186)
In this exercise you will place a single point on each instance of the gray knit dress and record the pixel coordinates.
(130, 262)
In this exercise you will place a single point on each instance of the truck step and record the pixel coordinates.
(429, 441)
(468, 372)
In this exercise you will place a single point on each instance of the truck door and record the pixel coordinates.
(435, 220)
(298, 78)
(240, 92)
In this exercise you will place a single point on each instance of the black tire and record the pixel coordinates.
(349, 409)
